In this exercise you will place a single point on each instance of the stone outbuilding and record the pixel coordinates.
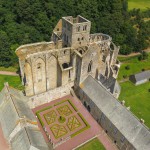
(140, 78)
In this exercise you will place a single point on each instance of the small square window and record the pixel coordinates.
(115, 131)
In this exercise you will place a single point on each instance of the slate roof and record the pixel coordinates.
(29, 138)
(135, 132)
(109, 83)
(13, 106)
(142, 75)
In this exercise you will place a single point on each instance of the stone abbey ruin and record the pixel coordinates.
(75, 63)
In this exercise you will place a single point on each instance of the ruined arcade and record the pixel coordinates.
(71, 55)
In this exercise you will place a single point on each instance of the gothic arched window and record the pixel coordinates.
(90, 66)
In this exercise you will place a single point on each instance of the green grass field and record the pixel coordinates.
(134, 64)
(142, 4)
(138, 98)
(12, 69)
(92, 145)
(13, 81)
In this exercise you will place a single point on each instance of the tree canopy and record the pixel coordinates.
(28, 21)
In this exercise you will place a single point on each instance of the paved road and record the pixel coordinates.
(9, 73)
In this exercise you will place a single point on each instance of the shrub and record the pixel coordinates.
(127, 67)
(140, 57)
(148, 90)
(143, 56)
(125, 76)
(61, 119)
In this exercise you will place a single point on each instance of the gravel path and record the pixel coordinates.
(135, 54)
(9, 73)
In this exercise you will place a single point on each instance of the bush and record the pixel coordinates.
(127, 67)
(61, 119)
(148, 90)
(140, 57)
(143, 69)
(143, 56)
(125, 76)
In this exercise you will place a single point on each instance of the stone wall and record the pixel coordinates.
(47, 65)
(49, 96)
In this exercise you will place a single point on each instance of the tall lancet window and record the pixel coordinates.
(90, 66)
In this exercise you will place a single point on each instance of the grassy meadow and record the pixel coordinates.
(92, 145)
(142, 4)
(138, 98)
(12, 69)
(134, 64)
(13, 81)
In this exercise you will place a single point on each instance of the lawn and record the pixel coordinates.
(134, 64)
(12, 69)
(13, 81)
(142, 4)
(92, 145)
(138, 98)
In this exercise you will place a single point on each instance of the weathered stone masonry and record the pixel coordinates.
(69, 57)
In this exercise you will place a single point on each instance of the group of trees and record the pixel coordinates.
(28, 21)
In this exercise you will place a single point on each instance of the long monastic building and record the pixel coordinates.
(74, 60)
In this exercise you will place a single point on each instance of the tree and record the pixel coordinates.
(28, 21)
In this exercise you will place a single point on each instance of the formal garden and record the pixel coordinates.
(61, 121)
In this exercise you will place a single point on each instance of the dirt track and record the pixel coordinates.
(9, 73)
(135, 54)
